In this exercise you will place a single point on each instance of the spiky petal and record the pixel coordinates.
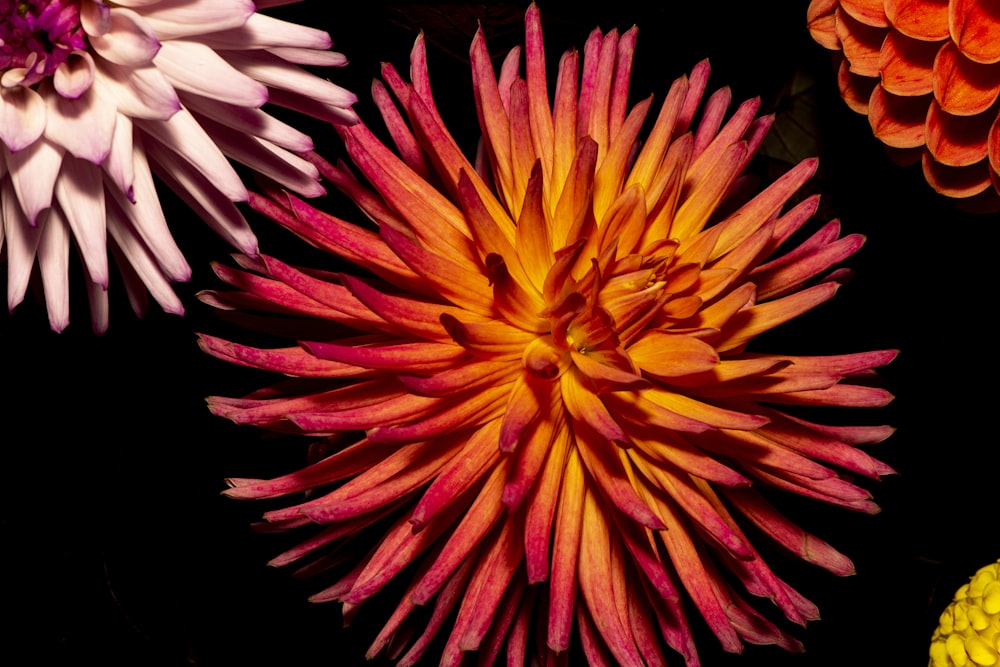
(533, 382)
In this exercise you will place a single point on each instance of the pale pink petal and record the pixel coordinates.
(277, 73)
(138, 92)
(266, 32)
(80, 192)
(145, 218)
(184, 136)
(198, 69)
(83, 126)
(172, 19)
(131, 40)
(75, 76)
(95, 17)
(33, 172)
(119, 165)
(22, 117)
(20, 244)
(309, 57)
(53, 264)
(249, 121)
(142, 262)
(201, 194)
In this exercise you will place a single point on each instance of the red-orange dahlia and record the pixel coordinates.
(927, 75)
(530, 373)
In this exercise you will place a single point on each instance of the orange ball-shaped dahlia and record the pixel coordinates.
(927, 75)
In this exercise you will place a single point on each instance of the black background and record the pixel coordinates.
(119, 550)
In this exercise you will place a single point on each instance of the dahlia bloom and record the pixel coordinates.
(529, 378)
(969, 630)
(927, 75)
(95, 96)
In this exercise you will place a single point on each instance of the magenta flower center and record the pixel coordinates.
(38, 36)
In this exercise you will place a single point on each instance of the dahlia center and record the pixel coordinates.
(36, 37)
(595, 316)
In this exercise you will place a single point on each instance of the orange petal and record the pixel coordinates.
(964, 87)
(869, 12)
(975, 28)
(861, 44)
(898, 121)
(856, 90)
(821, 19)
(956, 181)
(957, 141)
(907, 64)
(993, 146)
(921, 19)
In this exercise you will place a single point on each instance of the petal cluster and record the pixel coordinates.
(927, 75)
(968, 633)
(528, 376)
(96, 97)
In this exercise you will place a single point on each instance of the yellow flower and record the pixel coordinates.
(968, 633)
(530, 379)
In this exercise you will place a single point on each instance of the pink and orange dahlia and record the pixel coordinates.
(927, 75)
(529, 376)
(96, 96)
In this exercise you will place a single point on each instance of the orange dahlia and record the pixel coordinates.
(529, 378)
(927, 75)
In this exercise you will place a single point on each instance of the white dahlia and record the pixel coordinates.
(97, 96)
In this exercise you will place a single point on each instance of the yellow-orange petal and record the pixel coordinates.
(669, 355)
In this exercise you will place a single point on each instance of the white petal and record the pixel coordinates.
(118, 165)
(203, 197)
(198, 69)
(22, 117)
(33, 172)
(80, 192)
(83, 126)
(145, 216)
(180, 18)
(141, 262)
(74, 76)
(252, 122)
(277, 73)
(53, 264)
(21, 241)
(138, 92)
(183, 135)
(131, 40)
(262, 31)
